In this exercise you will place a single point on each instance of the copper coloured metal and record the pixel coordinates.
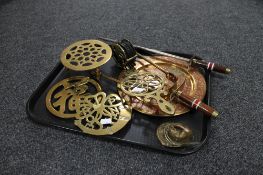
(189, 79)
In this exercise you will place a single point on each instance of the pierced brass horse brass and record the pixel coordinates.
(100, 114)
(61, 98)
(86, 55)
(147, 86)
(174, 134)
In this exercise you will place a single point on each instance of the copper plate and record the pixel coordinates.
(190, 79)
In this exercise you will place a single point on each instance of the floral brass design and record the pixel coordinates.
(86, 55)
(100, 114)
(147, 86)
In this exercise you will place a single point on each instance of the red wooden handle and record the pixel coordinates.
(197, 104)
(210, 66)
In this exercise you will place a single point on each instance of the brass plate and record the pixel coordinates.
(61, 98)
(100, 114)
(174, 134)
(194, 84)
(86, 55)
(148, 87)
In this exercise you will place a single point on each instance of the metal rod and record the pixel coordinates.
(152, 63)
(110, 78)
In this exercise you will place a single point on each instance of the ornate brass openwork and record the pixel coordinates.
(146, 86)
(174, 134)
(86, 55)
(189, 80)
(61, 98)
(100, 114)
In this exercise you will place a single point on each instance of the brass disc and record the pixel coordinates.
(148, 87)
(194, 84)
(141, 84)
(85, 55)
(102, 114)
(174, 134)
(61, 98)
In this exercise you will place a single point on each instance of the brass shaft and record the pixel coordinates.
(152, 63)
(110, 78)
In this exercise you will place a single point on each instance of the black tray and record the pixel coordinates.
(141, 130)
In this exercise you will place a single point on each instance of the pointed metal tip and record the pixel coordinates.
(215, 114)
(228, 70)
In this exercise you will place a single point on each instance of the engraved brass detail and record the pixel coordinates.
(189, 80)
(86, 55)
(147, 86)
(100, 114)
(174, 134)
(61, 98)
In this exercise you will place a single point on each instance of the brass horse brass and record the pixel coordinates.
(86, 55)
(174, 134)
(61, 98)
(146, 86)
(100, 114)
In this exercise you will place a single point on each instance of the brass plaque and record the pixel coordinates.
(85, 55)
(61, 98)
(102, 114)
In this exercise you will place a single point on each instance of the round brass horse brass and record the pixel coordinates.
(141, 84)
(174, 134)
(189, 79)
(148, 87)
(61, 98)
(86, 55)
(100, 114)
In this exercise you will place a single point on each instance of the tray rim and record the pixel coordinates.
(197, 147)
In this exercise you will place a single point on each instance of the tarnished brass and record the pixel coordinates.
(61, 98)
(169, 75)
(189, 80)
(174, 134)
(85, 55)
(148, 87)
(100, 114)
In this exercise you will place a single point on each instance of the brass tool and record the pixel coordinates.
(194, 103)
(102, 114)
(61, 98)
(86, 55)
(192, 62)
(125, 56)
(146, 86)
(175, 135)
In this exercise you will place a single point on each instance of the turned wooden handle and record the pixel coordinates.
(210, 66)
(197, 104)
